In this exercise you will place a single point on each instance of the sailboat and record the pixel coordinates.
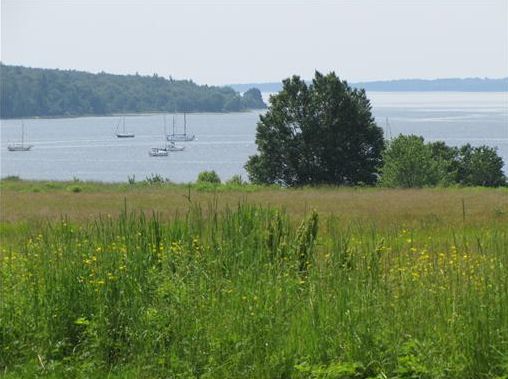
(163, 151)
(157, 152)
(171, 146)
(180, 137)
(20, 146)
(123, 133)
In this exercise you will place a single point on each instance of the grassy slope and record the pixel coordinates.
(396, 284)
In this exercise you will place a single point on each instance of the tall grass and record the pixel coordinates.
(248, 292)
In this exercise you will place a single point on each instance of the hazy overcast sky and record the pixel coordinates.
(219, 42)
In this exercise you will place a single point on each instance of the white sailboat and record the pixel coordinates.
(123, 133)
(167, 147)
(171, 146)
(20, 146)
(157, 152)
(180, 137)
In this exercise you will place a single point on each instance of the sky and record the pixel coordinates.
(244, 41)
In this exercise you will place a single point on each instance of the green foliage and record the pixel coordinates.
(252, 99)
(304, 242)
(410, 364)
(154, 179)
(236, 180)
(27, 92)
(448, 161)
(75, 188)
(480, 166)
(210, 177)
(410, 162)
(221, 295)
(345, 370)
(321, 133)
(12, 178)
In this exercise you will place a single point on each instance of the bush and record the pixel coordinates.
(236, 180)
(12, 178)
(480, 166)
(208, 177)
(74, 189)
(408, 162)
(155, 179)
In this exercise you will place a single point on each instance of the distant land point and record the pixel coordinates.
(405, 85)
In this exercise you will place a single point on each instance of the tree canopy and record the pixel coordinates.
(410, 162)
(27, 92)
(322, 133)
(480, 166)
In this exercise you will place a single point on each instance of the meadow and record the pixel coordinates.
(175, 281)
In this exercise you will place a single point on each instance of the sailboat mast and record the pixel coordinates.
(173, 124)
(388, 129)
(184, 125)
(22, 132)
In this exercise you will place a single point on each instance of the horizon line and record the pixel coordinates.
(254, 82)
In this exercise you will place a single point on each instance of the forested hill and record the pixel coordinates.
(28, 92)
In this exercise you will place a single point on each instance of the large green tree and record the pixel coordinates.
(480, 166)
(318, 133)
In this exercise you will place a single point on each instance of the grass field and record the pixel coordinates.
(147, 281)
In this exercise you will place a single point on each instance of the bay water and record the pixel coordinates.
(87, 148)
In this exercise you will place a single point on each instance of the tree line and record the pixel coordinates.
(324, 133)
(29, 92)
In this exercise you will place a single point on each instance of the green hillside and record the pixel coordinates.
(29, 92)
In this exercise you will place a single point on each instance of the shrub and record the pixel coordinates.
(155, 179)
(408, 162)
(208, 177)
(12, 178)
(74, 189)
(236, 180)
(480, 166)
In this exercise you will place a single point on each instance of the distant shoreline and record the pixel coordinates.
(404, 85)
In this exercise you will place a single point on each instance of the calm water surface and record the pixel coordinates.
(86, 147)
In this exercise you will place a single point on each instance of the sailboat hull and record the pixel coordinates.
(180, 138)
(19, 147)
(157, 152)
(125, 135)
(122, 133)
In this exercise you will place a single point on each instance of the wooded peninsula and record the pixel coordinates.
(35, 92)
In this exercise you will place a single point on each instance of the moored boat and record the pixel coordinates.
(123, 133)
(20, 146)
(180, 137)
(157, 152)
